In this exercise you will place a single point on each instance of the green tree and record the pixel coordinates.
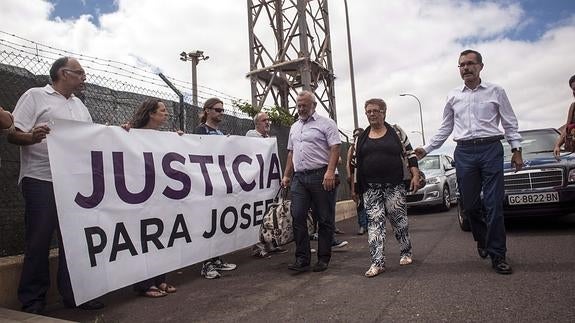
(277, 115)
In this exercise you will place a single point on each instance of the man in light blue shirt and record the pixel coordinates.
(473, 113)
(313, 152)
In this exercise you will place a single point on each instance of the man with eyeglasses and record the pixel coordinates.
(262, 125)
(32, 115)
(473, 112)
(313, 153)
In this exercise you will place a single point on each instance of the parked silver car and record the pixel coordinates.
(441, 184)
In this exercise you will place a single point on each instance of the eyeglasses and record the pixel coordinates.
(77, 72)
(462, 65)
(373, 111)
(219, 110)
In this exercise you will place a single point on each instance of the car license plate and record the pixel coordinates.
(533, 198)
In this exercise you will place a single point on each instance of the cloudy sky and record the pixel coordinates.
(398, 47)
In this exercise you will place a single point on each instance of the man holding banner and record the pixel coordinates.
(34, 111)
(211, 118)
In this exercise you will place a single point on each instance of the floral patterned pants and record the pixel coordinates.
(382, 202)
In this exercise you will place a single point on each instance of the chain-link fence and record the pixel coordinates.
(113, 92)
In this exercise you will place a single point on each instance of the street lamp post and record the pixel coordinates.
(420, 114)
(195, 57)
(352, 77)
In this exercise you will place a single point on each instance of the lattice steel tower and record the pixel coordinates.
(290, 50)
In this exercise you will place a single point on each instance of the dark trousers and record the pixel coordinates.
(144, 285)
(361, 214)
(480, 169)
(307, 189)
(41, 220)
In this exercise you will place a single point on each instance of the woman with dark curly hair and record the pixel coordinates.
(152, 114)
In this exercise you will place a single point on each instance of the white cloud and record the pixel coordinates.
(398, 46)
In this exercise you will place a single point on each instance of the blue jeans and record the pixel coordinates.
(480, 169)
(307, 189)
(361, 214)
(41, 220)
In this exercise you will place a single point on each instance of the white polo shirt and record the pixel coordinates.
(39, 106)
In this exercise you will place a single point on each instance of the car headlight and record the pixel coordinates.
(432, 180)
(571, 177)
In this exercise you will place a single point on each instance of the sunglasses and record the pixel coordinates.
(219, 110)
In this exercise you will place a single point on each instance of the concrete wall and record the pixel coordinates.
(10, 267)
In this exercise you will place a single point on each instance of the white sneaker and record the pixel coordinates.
(219, 264)
(209, 271)
(405, 260)
(338, 244)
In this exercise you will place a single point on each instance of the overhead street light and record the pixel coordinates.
(420, 114)
(195, 57)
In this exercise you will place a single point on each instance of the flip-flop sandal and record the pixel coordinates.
(154, 292)
(167, 288)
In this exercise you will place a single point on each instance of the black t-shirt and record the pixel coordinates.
(382, 161)
(204, 129)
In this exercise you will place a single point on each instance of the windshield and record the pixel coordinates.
(534, 141)
(429, 162)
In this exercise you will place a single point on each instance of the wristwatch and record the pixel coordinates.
(513, 150)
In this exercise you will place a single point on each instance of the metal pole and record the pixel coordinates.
(420, 114)
(305, 68)
(194, 81)
(195, 57)
(181, 115)
(351, 72)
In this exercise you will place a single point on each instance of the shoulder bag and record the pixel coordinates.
(277, 224)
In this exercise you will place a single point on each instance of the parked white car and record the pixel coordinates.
(440, 183)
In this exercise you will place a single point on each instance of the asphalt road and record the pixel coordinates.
(447, 282)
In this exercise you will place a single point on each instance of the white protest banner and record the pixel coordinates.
(133, 205)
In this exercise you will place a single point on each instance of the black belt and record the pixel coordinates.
(480, 141)
(312, 171)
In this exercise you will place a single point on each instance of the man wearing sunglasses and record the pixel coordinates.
(32, 115)
(211, 118)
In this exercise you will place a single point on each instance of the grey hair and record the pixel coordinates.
(307, 93)
(256, 117)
